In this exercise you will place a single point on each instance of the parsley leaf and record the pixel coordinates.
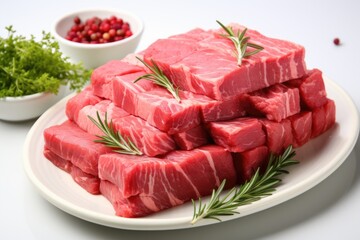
(28, 66)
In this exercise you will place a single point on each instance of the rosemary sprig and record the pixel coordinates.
(241, 43)
(158, 77)
(257, 187)
(114, 139)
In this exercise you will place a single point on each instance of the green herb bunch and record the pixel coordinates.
(28, 66)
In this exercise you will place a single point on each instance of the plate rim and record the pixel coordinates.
(184, 222)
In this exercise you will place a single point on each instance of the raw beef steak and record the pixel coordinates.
(199, 67)
(323, 118)
(70, 142)
(87, 181)
(192, 138)
(238, 135)
(278, 135)
(248, 162)
(80, 100)
(311, 88)
(160, 183)
(150, 140)
(275, 103)
(301, 124)
(103, 76)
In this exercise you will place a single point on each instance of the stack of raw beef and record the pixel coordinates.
(230, 118)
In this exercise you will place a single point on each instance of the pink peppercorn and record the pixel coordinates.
(96, 30)
(336, 41)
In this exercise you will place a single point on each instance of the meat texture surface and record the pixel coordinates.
(148, 139)
(207, 65)
(323, 118)
(301, 125)
(278, 135)
(103, 76)
(311, 89)
(238, 135)
(160, 183)
(87, 181)
(80, 100)
(192, 138)
(70, 142)
(248, 162)
(275, 103)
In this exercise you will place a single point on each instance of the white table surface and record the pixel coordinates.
(331, 210)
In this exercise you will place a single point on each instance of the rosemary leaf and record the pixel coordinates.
(158, 77)
(257, 187)
(114, 139)
(241, 43)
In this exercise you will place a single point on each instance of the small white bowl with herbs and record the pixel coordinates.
(34, 75)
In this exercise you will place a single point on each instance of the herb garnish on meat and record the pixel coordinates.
(158, 77)
(241, 43)
(259, 186)
(114, 139)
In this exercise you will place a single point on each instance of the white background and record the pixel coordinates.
(331, 210)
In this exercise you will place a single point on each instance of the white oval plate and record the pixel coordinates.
(318, 159)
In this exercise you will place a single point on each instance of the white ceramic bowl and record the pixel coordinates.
(29, 106)
(95, 55)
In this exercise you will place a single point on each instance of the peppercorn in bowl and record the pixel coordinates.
(96, 36)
